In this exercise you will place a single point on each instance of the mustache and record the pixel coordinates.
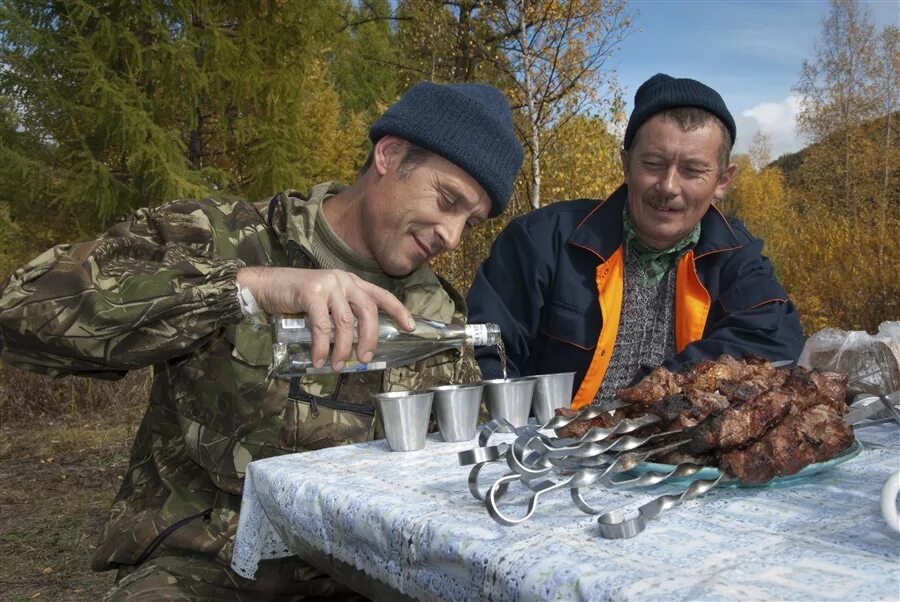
(658, 202)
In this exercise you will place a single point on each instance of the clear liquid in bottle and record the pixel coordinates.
(396, 347)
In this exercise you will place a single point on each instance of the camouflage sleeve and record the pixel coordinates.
(150, 289)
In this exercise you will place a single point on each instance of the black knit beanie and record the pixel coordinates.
(470, 125)
(662, 92)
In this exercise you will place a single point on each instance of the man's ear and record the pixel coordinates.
(387, 154)
(725, 180)
(623, 156)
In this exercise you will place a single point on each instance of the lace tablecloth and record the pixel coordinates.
(409, 521)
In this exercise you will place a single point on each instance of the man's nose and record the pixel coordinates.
(670, 184)
(450, 233)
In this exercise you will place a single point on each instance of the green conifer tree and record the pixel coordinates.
(365, 61)
(137, 103)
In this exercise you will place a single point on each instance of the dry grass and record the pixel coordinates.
(63, 451)
(25, 395)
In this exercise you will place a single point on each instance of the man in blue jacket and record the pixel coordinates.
(653, 275)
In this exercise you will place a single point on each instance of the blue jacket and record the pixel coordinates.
(554, 283)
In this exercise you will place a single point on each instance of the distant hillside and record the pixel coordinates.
(789, 163)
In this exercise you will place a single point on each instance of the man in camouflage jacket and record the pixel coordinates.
(176, 287)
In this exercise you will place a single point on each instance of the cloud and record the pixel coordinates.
(776, 119)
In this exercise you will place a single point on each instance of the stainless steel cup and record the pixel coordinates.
(456, 409)
(510, 398)
(551, 391)
(405, 417)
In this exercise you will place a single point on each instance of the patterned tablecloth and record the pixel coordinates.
(409, 521)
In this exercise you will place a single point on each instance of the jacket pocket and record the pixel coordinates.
(326, 422)
(748, 295)
(568, 324)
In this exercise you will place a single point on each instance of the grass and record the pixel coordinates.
(64, 447)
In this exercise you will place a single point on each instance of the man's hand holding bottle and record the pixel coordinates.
(331, 300)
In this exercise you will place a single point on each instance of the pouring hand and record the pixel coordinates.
(333, 301)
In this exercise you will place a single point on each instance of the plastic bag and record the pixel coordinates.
(871, 362)
(889, 334)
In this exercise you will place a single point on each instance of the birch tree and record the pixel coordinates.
(555, 54)
(448, 41)
(837, 86)
(850, 97)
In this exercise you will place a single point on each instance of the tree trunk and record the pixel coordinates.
(533, 119)
(195, 145)
(535, 166)
(462, 70)
(882, 223)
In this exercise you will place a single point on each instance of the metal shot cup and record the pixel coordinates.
(456, 408)
(405, 417)
(510, 398)
(551, 391)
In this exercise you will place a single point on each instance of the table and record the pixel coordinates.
(405, 523)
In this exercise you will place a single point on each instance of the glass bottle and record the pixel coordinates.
(396, 347)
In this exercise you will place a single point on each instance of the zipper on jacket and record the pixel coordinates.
(359, 408)
(297, 393)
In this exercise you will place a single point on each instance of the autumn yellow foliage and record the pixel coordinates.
(840, 264)
(580, 160)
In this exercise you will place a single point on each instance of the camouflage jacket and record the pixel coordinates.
(159, 290)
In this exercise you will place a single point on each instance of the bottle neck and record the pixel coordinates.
(481, 335)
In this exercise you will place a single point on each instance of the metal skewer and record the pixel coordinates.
(685, 469)
(532, 454)
(892, 409)
(484, 454)
(589, 413)
(614, 525)
(597, 434)
(583, 478)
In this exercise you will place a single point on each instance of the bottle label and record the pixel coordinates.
(478, 334)
(293, 323)
(350, 366)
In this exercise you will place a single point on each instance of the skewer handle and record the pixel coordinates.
(614, 525)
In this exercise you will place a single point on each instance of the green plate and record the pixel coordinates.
(712, 473)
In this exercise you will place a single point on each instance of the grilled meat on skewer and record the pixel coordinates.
(708, 374)
(833, 388)
(577, 428)
(813, 435)
(705, 403)
(671, 407)
(755, 421)
(653, 387)
(741, 423)
(679, 412)
(739, 391)
(810, 388)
